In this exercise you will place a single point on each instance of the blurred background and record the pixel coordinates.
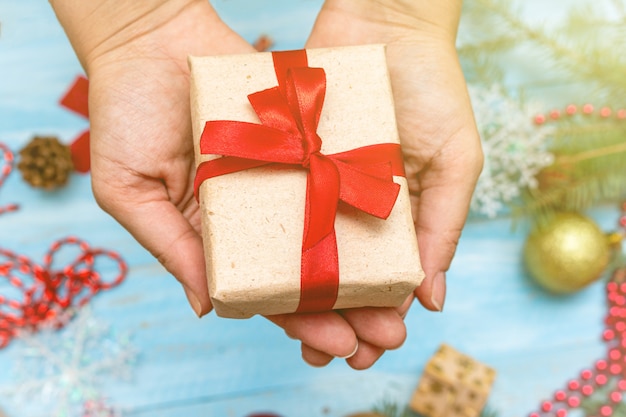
(548, 85)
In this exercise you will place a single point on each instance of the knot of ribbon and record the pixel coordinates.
(45, 291)
(289, 114)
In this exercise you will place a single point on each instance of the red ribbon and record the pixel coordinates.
(76, 100)
(287, 135)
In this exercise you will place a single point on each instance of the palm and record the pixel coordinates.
(139, 125)
(141, 141)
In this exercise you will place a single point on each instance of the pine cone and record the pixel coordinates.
(45, 162)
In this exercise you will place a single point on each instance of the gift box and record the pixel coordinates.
(303, 201)
(453, 385)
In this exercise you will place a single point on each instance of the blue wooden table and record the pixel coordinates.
(178, 365)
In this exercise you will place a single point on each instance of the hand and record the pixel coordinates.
(442, 150)
(142, 157)
(142, 151)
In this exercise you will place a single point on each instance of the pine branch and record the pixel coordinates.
(588, 168)
(392, 409)
(600, 397)
(595, 57)
(574, 196)
(610, 150)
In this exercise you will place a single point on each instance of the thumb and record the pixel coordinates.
(440, 212)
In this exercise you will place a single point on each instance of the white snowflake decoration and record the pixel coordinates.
(515, 149)
(60, 370)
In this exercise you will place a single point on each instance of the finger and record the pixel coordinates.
(365, 356)
(162, 229)
(168, 236)
(314, 357)
(441, 211)
(326, 332)
(438, 229)
(379, 326)
(432, 292)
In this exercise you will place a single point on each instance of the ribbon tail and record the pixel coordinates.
(284, 61)
(320, 261)
(367, 191)
(320, 276)
(374, 155)
(322, 197)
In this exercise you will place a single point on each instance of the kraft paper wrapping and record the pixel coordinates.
(252, 221)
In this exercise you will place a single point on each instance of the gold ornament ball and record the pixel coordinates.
(567, 253)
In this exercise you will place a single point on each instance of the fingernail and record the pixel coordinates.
(351, 354)
(438, 292)
(403, 310)
(194, 301)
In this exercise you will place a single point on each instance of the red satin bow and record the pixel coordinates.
(289, 116)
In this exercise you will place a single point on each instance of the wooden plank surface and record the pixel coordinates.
(219, 367)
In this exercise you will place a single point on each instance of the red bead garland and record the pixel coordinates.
(6, 166)
(47, 291)
(586, 109)
(608, 370)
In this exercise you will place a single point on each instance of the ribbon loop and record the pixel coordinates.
(321, 201)
(305, 92)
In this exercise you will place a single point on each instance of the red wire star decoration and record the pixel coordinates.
(43, 292)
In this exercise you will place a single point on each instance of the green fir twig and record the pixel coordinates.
(586, 50)
(587, 47)
(589, 168)
(392, 409)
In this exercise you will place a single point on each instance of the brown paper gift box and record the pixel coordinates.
(252, 221)
(453, 385)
